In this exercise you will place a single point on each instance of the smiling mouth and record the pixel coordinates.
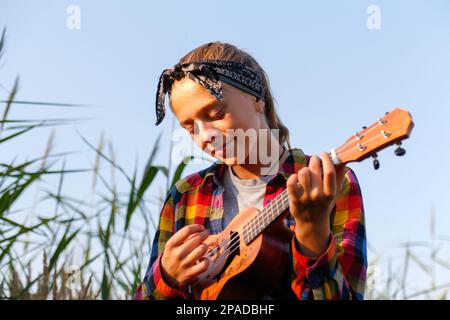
(221, 149)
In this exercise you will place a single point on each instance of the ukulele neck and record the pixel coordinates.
(265, 217)
(390, 129)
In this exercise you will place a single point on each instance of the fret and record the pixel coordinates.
(266, 216)
(277, 207)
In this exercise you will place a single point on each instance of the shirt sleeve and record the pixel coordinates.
(340, 272)
(155, 285)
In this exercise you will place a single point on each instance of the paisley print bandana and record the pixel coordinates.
(209, 74)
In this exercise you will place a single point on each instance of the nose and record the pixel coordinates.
(205, 133)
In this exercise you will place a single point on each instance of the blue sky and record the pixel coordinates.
(329, 73)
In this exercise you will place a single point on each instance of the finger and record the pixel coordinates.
(315, 170)
(304, 180)
(195, 255)
(180, 236)
(197, 269)
(329, 175)
(294, 190)
(315, 166)
(340, 176)
(193, 242)
(191, 236)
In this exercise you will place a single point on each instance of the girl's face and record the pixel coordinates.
(211, 123)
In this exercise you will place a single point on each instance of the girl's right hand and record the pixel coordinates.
(182, 259)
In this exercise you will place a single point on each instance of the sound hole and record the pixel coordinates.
(232, 250)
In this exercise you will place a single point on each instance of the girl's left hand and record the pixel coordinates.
(312, 195)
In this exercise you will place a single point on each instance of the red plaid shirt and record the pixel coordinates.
(339, 273)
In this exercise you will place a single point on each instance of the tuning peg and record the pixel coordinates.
(364, 128)
(376, 163)
(399, 151)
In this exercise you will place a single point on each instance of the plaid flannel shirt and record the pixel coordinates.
(339, 273)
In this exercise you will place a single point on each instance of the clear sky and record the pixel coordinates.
(329, 72)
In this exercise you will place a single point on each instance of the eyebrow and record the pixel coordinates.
(207, 106)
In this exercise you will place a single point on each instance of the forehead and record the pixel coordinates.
(188, 98)
(187, 91)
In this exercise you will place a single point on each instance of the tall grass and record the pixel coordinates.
(97, 248)
(112, 231)
(408, 271)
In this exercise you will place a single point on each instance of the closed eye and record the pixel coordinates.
(190, 130)
(207, 116)
(218, 115)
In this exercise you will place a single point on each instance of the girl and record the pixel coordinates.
(215, 91)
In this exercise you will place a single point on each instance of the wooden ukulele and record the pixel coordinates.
(249, 257)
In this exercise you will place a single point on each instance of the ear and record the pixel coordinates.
(259, 105)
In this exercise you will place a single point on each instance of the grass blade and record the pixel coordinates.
(9, 102)
(179, 170)
(63, 243)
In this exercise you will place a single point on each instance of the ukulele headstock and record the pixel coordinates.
(390, 129)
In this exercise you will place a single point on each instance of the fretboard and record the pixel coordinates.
(390, 129)
(265, 217)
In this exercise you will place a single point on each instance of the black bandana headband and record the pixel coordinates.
(209, 74)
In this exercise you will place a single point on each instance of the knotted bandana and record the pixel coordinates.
(209, 74)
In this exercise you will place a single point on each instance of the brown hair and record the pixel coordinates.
(225, 51)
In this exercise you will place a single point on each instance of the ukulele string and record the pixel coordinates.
(234, 240)
(355, 137)
(368, 130)
(218, 247)
(341, 153)
(233, 247)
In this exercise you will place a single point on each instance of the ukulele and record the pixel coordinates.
(256, 242)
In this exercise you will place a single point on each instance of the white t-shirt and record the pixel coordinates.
(244, 193)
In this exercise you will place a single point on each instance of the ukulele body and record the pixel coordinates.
(251, 269)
